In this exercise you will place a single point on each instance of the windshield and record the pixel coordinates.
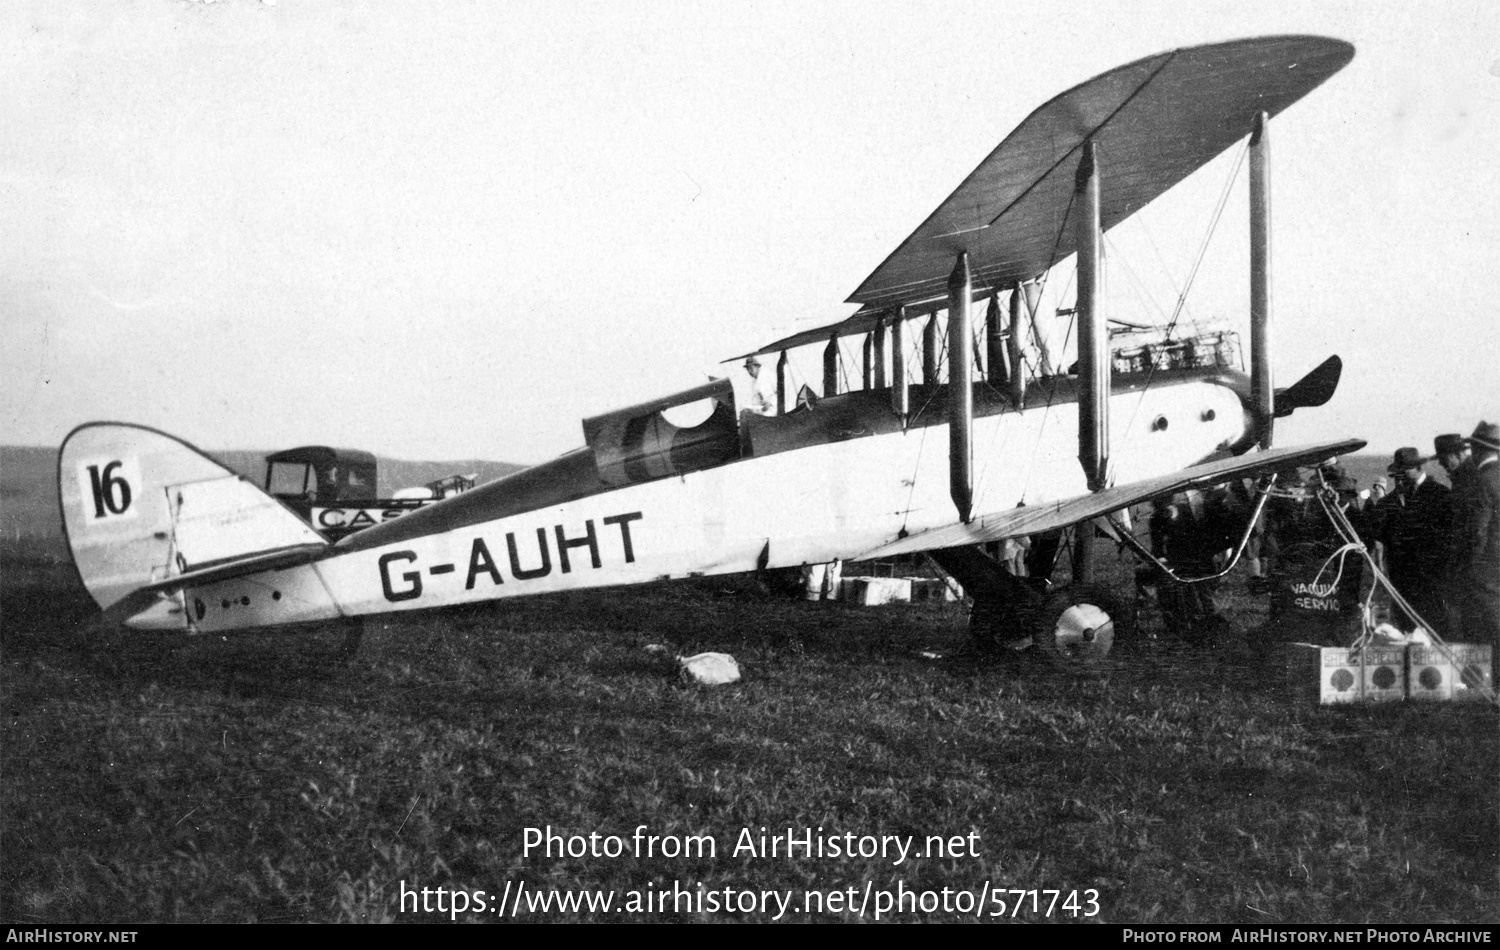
(288, 478)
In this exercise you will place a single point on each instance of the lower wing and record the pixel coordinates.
(1017, 522)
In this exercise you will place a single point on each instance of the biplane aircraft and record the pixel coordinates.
(687, 486)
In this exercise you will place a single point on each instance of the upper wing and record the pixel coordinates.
(1037, 518)
(856, 325)
(1154, 122)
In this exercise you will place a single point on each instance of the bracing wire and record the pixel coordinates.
(1353, 544)
(1036, 448)
(1213, 225)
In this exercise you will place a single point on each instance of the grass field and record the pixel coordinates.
(146, 778)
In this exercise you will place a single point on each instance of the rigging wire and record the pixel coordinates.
(981, 475)
(1131, 541)
(1346, 531)
(1135, 279)
(931, 386)
(1052, 386)
(1160, 353)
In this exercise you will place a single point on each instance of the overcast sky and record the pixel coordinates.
(453, 230)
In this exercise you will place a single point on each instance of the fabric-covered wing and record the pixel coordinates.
(1154, 122)
(1031, 520)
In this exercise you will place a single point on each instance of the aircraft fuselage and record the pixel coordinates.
(835, 481)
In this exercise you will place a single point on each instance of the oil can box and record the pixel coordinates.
(867, 591)
(924, 589)
(934, 588)
(1429, 673)
(864, 591)
(1474, 671)
(898, 590)
(1344, 675)
(1324, 674)
(1384, 673)
(874, 591)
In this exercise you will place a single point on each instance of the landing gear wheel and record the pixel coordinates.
(1078, 627)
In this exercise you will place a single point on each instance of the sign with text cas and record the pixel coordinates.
(355, 517)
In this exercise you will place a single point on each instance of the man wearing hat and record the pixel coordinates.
(760, 401)
(1416, 521)
(1478, 530)
(1451, 451)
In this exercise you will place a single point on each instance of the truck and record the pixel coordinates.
(334, 489)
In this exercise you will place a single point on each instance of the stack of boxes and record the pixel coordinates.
(1373, 674)
(873, 591)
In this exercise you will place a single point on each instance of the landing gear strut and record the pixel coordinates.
(1074, 627)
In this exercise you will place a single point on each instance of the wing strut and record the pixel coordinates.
(900, 394)
(831, 367)
(1033, 291)
(1017, 363)
(1093, 339)
(996, 357)
(930, 350)
(1262, 395)
(783, 393)
(960, 387)
(1093, 353)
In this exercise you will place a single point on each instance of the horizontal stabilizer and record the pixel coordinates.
(1017, 522)
(144, 512)
(144, 597)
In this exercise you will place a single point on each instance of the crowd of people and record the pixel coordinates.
(1438, 545)
(1441, 544)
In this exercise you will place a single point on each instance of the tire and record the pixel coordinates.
(1081, 626)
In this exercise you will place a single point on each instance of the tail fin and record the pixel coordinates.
(141, 507)
(1314, 389)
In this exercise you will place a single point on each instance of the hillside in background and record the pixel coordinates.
(28, 484)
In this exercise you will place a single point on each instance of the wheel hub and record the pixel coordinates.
(1084, 629)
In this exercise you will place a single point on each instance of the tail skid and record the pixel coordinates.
(144, 511)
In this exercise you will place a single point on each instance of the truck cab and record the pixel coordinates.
(313, 480)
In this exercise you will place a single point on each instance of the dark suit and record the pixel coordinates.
(1416, 529)
(1477, 527)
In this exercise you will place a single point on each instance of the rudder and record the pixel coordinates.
(140, 507)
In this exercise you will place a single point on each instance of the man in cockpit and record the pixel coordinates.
(760, 401)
